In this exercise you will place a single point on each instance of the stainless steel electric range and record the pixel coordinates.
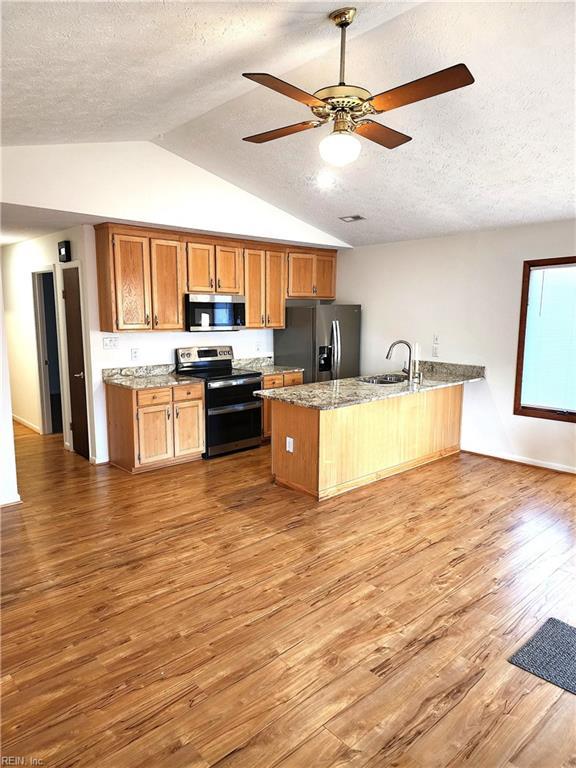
(233, 414)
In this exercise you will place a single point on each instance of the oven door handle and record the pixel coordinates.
(234, 382)
(234, 408)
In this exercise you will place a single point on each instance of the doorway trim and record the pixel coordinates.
(41, 345)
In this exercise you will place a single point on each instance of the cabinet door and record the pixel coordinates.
(255, 283)
(301, 268)
(325, 281)
(188, 427)
(201, 267)
(155, 434)
(229, 270)
(275, 289)
(168, 284)
(132, 282)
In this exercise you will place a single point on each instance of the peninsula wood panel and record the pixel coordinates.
(369, 631)
(229, 270)
(275, 289)
(201, 261)
(255, 284)
(132, 282)
(271, 381)
(168, 279)
(344, 448)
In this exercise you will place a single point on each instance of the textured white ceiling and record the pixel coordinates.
(122, 71)
(500, 152)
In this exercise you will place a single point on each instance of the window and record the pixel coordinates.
(546, 364)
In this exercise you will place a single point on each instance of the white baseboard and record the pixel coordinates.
(27, 423)
(525, 460)
(11, 502)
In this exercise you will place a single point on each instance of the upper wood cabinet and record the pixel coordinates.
(275, 289)
(264, 274)
(229, 270)
(201, 267)
(255, 283)
(143, 275)
(312, 275)
(131, 268)
(168, 272)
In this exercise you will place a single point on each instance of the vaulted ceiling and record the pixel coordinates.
(497, 153)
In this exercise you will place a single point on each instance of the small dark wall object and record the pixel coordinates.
(64, 250)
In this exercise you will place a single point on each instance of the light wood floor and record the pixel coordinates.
(200, 616)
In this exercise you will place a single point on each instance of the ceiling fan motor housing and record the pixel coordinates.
(351, 98)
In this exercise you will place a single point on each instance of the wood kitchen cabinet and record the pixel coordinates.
(143, 275)
(131, 274)
(265, 288)
(152, 428)
(312, 275)
(168, 279)
(201, 260)
(272, 381)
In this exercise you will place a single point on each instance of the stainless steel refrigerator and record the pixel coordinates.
(324, 339)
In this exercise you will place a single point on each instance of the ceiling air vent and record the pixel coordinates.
(349, 219)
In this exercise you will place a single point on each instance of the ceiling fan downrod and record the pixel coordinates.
(343, 18)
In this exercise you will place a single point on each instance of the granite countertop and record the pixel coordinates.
(265, 366)
(152, 382)
(328, 395)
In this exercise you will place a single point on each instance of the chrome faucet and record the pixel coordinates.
(413, 378)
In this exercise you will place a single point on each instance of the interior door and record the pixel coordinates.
(275, 289)
(301, 274)
(168, 284)
(188, 427)
(255, 283)
(201, 267)
(155, 433)
(132, 279)
(76, 374)
(229, 271)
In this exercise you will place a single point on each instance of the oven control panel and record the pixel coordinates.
(194, 354)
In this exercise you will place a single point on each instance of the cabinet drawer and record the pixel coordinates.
(272, 381)
(154, 396)
(188, 392)
(291, 379)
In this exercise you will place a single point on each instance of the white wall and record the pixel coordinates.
(18, 263)
(8, 482)
(140, 181)
(466, 288)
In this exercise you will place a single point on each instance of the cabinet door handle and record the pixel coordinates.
(219, 284)
(211, 282)
(262, 319)
(268, 319)
(147, 319)
(168, 413)
(155, 319)
(177, 412)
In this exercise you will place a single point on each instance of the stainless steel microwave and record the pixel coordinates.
(208, 312)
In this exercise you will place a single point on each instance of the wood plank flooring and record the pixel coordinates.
(200, 616)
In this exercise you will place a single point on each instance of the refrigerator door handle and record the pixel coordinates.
(336, 341)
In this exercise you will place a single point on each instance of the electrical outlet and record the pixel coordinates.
(110, 342)
(435, 350)
(134, 353)
(290, 444)
(435, 338)
(258, 347)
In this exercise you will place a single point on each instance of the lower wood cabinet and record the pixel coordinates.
(151, 428)
(273, 381)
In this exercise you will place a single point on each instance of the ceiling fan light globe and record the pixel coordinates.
(340, 148)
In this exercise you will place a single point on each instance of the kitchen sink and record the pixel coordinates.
(388, 378)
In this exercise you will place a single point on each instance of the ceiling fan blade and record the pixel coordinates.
(423, 88)
(284, 88)
(278, 133)
(381, 134)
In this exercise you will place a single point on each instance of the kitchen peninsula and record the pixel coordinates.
(331, 437)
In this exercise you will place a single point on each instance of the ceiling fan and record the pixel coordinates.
(347, 106)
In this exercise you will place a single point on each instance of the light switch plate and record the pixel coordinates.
(290, 444)
(110, 342)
